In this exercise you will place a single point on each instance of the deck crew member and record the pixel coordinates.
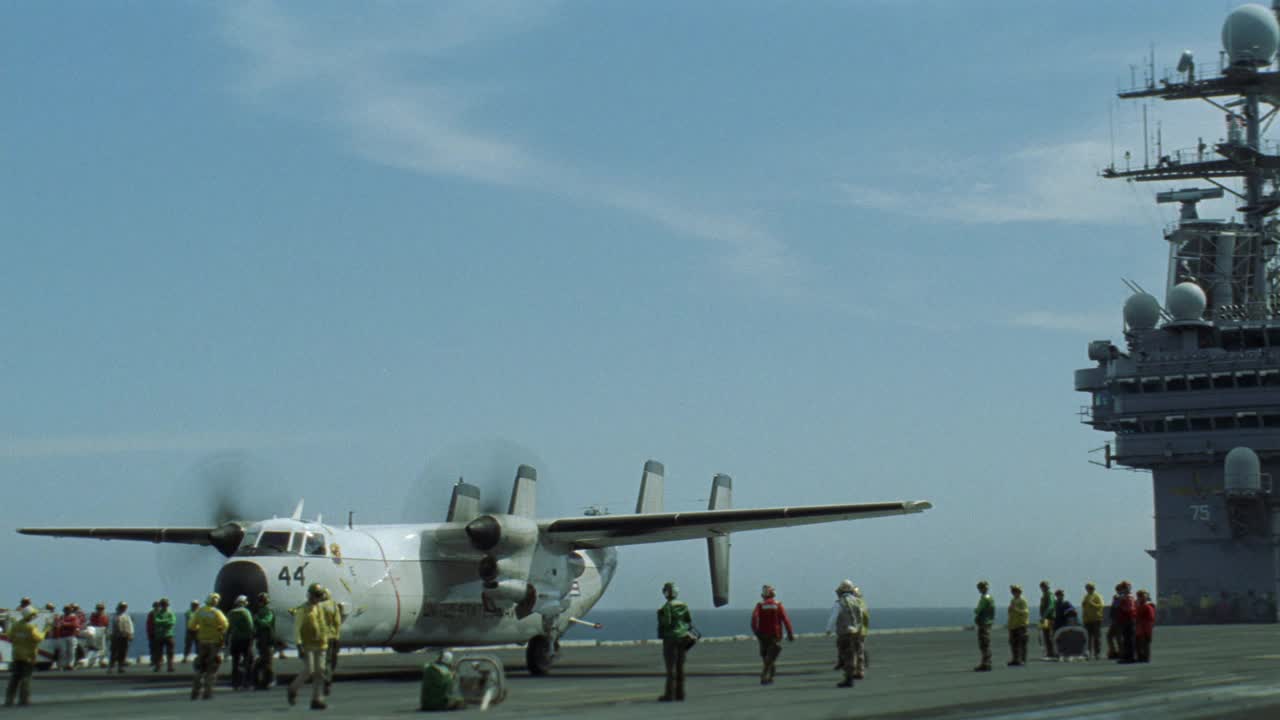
(264, 638)
(25, 638)
(674, 626)
(121, 632)
(440, 689)
(767, 621)
(333, 621)
(1019, 619)
(1046, 620)
(846, 622)
(984, 614)
(240, 642)
(211, 630)
(1144, 626)
(189, 638)
(1091, 607)
(311, 624)
(861, 663)
(165, 621)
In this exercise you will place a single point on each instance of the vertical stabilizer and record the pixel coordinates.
(524, 492)
(718, 547)
(464, 506)
(650, 499)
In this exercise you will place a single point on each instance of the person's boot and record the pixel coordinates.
(318, 705)
(668, 696)
(680, 689)
(846, 683)
(292, 695)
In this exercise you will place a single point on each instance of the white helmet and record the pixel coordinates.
(446, 658)
(241, 600)
(845, 586)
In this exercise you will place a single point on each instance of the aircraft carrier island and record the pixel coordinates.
(1194, 394)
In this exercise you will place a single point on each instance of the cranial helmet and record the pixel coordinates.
(28, 612)
(670, 590)
(214, 598)
(845, 586)
(264, 598)
(767, 591)
(316, 591)
(241, 600)
(446, 657)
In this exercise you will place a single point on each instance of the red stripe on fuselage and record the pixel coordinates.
(394, 587)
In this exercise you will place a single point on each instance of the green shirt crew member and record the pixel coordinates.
(674, 624)
(983, 615)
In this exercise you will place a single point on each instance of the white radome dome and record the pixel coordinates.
(1141, 311)
(1186, 302)
(1251, 35)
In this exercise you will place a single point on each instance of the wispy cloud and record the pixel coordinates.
(383, 83)
(29, 447)
(1046, 183)
(1096, 323)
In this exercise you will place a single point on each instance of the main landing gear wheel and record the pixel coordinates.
(540, 653)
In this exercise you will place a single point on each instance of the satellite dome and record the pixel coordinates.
(1242, 471)
(1141, 311)
(1186, 302)
(1250, 36)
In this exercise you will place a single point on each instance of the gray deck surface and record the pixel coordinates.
(1197, 672)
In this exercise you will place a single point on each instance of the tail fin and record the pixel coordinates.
(718, 547)
(464, 506)
(524, 492)
(650, 500)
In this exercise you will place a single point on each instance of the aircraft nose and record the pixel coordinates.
(239, 577)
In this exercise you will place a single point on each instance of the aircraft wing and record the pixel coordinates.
(606, 530)
(183, 535)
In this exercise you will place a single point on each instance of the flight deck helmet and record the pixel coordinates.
(845, 586)
(670, 590)
(767, 592)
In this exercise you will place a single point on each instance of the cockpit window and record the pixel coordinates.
(250, 539)
(273, 542)
(296, 545)
(314, 544)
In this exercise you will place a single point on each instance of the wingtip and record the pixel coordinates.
(918, 505)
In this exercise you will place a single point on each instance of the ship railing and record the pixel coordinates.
(1170, 76)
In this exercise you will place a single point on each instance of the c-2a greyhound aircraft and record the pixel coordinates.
(477, 578)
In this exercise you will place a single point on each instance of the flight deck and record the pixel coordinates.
(1197, 672)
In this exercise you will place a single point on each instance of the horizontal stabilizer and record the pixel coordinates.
(610, 530)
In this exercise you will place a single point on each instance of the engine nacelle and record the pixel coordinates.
(502, 534)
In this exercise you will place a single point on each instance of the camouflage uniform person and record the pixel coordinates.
(861, 663)
(211, 630)
(846, 622)
(1019, 619)
(674, 625)
(983, 615)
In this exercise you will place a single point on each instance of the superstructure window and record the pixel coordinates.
(1198, 382)
(1248, 420)
(1175, 424)
(1152, 384)
(1270, 378)
(1271, 421)
(1246, 379)
(1201, 423)
(1224, 422)
(1175, 383)
(1223, 381)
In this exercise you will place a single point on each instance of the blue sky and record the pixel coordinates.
(841, 251)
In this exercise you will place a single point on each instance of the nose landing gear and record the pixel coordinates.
(540, 653)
